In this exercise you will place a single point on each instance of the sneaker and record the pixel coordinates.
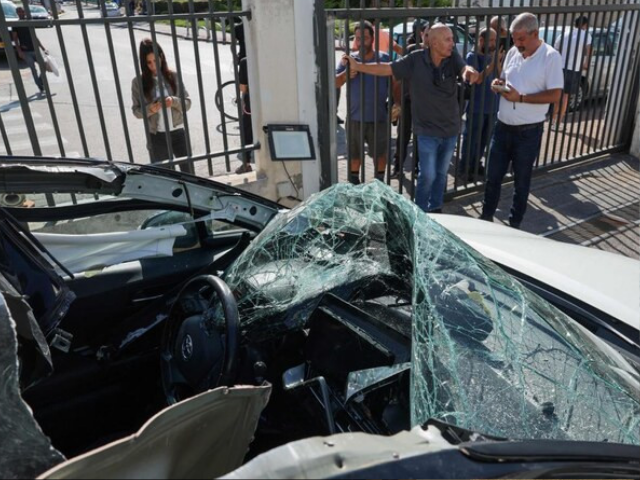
(244, 168)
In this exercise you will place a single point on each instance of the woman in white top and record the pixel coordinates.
(148, 96)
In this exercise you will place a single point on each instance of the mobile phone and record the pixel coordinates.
(501, 88)
(503, 44)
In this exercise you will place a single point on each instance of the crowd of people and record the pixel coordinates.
(508, 100)
(509, 94)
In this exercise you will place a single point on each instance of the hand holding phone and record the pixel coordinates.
(501, 88)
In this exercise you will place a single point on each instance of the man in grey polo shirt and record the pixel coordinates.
(433, 73)
(531, 80)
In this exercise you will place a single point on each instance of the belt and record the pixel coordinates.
(520, 128)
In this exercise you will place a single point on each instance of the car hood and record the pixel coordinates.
(606, 281)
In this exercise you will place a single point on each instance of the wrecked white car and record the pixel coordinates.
(155, 324)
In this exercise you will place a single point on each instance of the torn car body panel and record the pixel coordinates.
(203, 437)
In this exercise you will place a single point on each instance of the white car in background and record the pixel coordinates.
(113, 10)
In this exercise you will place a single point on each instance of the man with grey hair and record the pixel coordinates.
(531, 80)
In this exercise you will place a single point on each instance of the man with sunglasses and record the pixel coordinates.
(434, 73)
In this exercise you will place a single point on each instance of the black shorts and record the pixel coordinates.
(375, 137)
(572, 81)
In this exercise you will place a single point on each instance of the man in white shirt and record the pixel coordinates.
(531, 80)
(575, 48)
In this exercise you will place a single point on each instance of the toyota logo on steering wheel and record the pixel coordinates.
(187, 348)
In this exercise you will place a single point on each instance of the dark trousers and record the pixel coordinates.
(160, 151)
(247, 132)
(474, 142)
(519, 147)
(403, 135)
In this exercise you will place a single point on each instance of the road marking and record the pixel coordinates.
(21, 129)
(16, 116)
(26, 145)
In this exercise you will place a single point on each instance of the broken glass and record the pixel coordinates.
(488, 355)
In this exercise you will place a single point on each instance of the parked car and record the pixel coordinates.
(464, 42)
(9, 10)
(113, 10)
(39, 13)
(596, 81)
(161, 325)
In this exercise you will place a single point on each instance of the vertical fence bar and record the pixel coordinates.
(594, 89)
(219, 82)
(203, 105)
(578, 140)
(71, 83)
(236, 63)
(116, 77)
(5, 137)
(627, 81)
(601, 129)
(94, 82)
(617, 97)
(183, 100)
(138, 79)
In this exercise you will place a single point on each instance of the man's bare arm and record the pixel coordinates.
(377, 69)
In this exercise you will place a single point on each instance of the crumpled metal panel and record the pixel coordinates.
(488, 355)
(24, 450)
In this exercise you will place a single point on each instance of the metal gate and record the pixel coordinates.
(86, 110)
(600, 114)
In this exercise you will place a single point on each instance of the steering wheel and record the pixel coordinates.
(196, 355)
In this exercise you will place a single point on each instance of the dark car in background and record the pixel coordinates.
(9, 10)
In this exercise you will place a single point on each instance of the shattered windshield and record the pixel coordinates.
(488, 355)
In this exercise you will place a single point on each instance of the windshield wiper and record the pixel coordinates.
(551, 451)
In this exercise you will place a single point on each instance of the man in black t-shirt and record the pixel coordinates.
(26, 49)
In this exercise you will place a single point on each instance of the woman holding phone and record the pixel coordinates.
(154, 94)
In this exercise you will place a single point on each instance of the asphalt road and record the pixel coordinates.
(108, 100)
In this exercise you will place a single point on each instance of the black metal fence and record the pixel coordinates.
(88, 108)
(600, 113)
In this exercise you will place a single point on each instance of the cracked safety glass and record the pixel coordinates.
(488, 355)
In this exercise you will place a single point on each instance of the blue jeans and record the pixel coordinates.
(435, 156)
(520, 148)
(474, 141)
(32, 60)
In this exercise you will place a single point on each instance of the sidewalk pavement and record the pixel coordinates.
(594, 204)
(181, 32)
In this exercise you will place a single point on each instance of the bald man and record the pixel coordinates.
(433, 73)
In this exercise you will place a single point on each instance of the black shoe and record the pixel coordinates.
(436, 210)
(340, 121)
(354, 178)
(486, 218)
(515, 225)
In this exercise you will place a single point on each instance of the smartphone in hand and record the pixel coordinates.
(501, 88)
